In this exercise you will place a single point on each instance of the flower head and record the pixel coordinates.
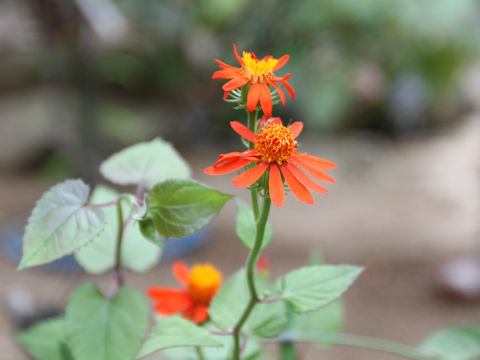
(260, 75)
(201, 283)
(275, 153)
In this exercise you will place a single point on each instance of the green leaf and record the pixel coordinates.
(314, 325)
(145, 164)
(454, 343)
(181, 207)
(98, 256)
(44, 340)
(105, 329)
(176, 332)
(60, 224)
(246, 227)
(149, 230)
(252, 350)
(312, 287)
(266, 320)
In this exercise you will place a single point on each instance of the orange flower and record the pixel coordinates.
(201, 284)
(263, 264)
(260, 75)
(275, 150)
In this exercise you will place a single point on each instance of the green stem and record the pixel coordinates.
(251, 264)
(376, 345)
(287, 350)
(252, 123)
(118, 250)
(199, 352)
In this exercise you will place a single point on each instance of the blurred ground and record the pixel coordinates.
(398, 208)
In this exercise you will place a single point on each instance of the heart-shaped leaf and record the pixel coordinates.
(145, 164)
(317, 325)
(46, 340)
(180, 207)
(105, 329)
(176, 332)
(454, 343)
(312, 287)
(266, 320)
(252, 350)
(60, 224)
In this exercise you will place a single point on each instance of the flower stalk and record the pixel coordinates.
(287, 350)
(118, 280)
(199, 352)
(251, 265)
(118, 250)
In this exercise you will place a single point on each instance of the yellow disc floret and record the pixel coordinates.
(275, 143)
(203, 282)
(258, 70)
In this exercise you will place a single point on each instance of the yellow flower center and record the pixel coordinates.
(258, 70)
(275, 143)
(203, 282)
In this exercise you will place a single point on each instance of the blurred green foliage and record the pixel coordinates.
(392, 65)
(349, 58)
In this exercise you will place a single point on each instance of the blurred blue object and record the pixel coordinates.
(175, 248)
(11, 246)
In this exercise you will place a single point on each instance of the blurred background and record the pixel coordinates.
(388, 89)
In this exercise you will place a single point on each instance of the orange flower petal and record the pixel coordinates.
(275, 186)
(289, 89)
(276, 120)
(280, 93)
(235, 83)
(188, 313)
(296, 128)
(319, 163)
(226, 74)
(234, 156)
(281, 78)
(223, 65)
(253, 97)
(305, 180)
(281, 62)
(227, 168)
(248, 177)
(297, 188)
(229, 155)
(311, 168)
(181, 271)
(239, 59)
(201, 314)
(242, 130)
(266, 99)
(170, 301)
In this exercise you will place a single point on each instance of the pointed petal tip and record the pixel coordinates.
(279, 205)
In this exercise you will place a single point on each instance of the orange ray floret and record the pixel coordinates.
(259, 74)
(275, 153)
(201, 283)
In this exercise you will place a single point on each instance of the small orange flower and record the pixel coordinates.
(201, 284)
(263, 264)
(260, 75)
(275, 150)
